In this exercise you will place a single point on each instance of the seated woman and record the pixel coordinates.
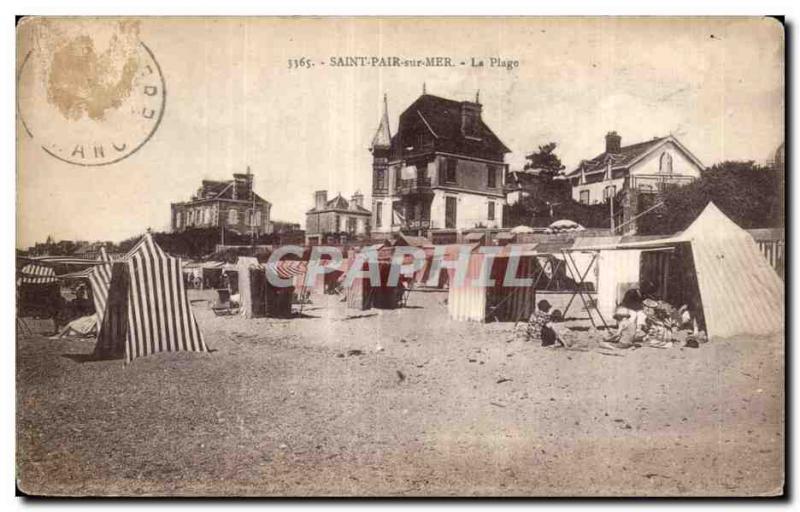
(660, 323)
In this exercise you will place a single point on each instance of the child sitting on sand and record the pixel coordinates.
(537, 330)
(564, 336)
(631, 325)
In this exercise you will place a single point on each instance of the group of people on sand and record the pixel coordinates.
(641, 322)
(650, 322)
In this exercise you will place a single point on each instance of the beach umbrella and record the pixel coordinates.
(521, 229)
(566, 225)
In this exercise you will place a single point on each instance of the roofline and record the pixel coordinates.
(468, 157)
(664, 140)
(205, 200)
(339, 210)
(427, 124)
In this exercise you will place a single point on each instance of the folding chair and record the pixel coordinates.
(223, 305)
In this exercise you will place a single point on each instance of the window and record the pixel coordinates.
(491, 177)
(397, 177)
(351, 225)
(397, 215)
(336, 224)
(378, 214)
(584, 197)
(447, 171)
(257, 219)
(491, 210)
(233, 216)
(380, 179)
(450, 212)
(610, 191)
(450, 174)
(665, 163)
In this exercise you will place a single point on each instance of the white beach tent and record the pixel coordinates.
(741, 293)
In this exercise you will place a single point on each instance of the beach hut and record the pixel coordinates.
(146, 308)
(468, 300)
(279, 299)
(363, 294)
(252, 287)
(38, 291)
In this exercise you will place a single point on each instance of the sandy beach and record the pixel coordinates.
(398, 403)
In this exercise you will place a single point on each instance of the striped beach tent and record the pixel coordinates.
(100, 279)
(146, 310)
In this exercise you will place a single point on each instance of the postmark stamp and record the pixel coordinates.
(89, 98)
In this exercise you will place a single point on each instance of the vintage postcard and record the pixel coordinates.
(399, 256)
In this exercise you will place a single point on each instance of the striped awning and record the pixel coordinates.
(34, 273)
(287, 269)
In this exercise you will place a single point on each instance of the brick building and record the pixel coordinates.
(231, 203)
(442, 171)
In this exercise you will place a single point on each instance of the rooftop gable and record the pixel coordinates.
(442, 119)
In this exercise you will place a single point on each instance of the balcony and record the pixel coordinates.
(415, 186)
(657, 182)
(417, 224)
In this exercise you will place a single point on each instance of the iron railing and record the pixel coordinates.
(414, 185)
(657, 182)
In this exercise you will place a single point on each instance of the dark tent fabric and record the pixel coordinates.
(147, 310)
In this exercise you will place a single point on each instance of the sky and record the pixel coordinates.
(232, 101)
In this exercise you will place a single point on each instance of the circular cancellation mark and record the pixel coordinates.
(84, 110)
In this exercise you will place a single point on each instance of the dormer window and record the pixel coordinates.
(665, 163)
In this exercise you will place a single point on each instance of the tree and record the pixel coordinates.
(751, 195)
(545, 161)
(536, 212)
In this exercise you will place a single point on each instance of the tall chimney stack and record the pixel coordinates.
(357, 199)
(613, 142)
(320, 199)
(470, 118)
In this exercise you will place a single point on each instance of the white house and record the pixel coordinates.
(644, 167)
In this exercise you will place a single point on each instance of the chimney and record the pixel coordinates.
(613, 142)
(242, 186)
(357, 200)
(470, 118)
(320, 199)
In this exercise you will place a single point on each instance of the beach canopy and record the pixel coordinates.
(740, 292)
(142, 305)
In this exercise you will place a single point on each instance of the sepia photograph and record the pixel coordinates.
(403, 257)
